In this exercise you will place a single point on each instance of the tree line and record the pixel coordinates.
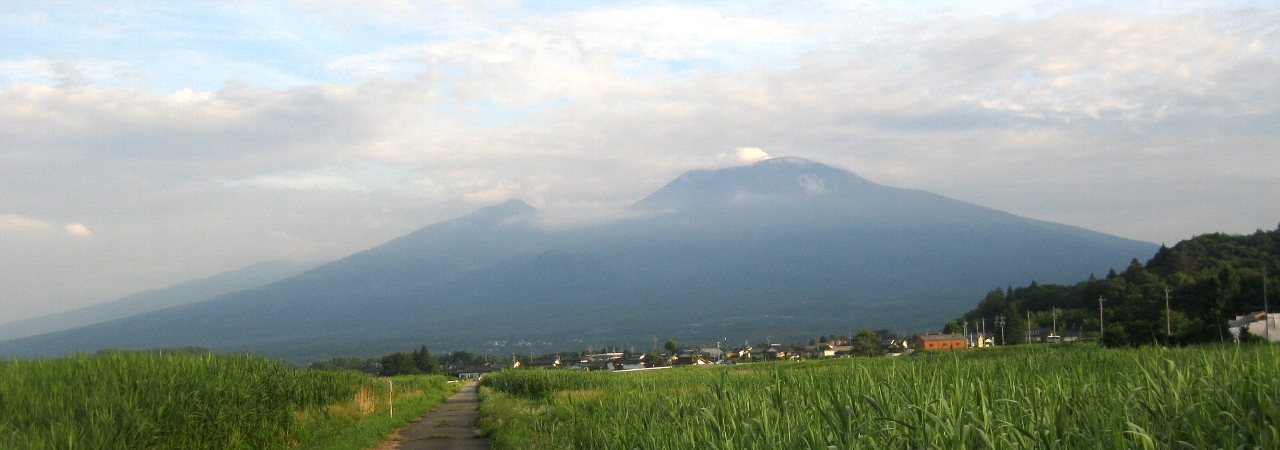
(1207, 280)
(419, 361)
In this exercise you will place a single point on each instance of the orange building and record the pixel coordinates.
(940, 342)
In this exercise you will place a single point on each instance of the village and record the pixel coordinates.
(866, 344)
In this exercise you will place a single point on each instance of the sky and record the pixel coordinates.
(144, 144)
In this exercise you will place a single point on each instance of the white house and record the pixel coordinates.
(1257, 323)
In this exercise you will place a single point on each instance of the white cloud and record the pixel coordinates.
(76, 229)
(751, 154)
(17, 224)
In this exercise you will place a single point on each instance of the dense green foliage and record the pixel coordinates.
(866, 343)
(420, 361)
(1043, 397)
(1210, 280)
(145, 400)
(404, 363)
(355, 363)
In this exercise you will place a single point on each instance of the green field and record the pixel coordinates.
(1038, 397)
(176, 401)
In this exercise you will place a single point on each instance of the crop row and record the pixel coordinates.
(1064, 398)
(151, 401)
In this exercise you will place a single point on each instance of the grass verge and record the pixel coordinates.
(347, 426)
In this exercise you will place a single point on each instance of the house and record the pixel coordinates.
(689, 361)
(1257, 324)
(940, 342)
(546, 363)
(505, 364)
(594, 365)
(628, 364)
(474, 371)
(713, 354)
(775, 352)
(744, 352)
(598, 357)
(1047, 335)
(570, 361)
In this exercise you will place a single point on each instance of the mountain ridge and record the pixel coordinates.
(254, 275)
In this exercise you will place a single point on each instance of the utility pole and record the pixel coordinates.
(1000, 323)
(1028, 340)
(1168, 322)
(1055, 321)
(1102, 328)
(1266, 308)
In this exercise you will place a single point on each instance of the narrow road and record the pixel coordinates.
(451, 426)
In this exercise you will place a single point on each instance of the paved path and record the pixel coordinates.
(448, 427)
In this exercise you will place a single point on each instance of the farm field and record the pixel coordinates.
(152, 401)
(1067, 397)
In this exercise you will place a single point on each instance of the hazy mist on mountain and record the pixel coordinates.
(253, 276)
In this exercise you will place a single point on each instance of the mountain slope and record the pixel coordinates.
(785, 247)
(179, 294)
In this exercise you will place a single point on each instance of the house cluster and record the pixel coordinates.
(691, 356)
(597, 361)
(972, 340)
(696, 356)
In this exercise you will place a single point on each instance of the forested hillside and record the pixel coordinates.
(1209, 280)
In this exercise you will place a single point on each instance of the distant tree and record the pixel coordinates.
(671, 347)
(399, 363)
(1015, 325)
(464, 357)
(991, 306)
(654, 360)
(423, 360)
(341, 363)
(952, 327)
(866, 343)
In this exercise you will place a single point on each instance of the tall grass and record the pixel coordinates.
(151, 401)
(1207, 397)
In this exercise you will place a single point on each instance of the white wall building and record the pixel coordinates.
(1257, 325)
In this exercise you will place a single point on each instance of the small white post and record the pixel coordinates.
(390, 406)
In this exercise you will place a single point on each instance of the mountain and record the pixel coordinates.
(146, 301)
(784, 248)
